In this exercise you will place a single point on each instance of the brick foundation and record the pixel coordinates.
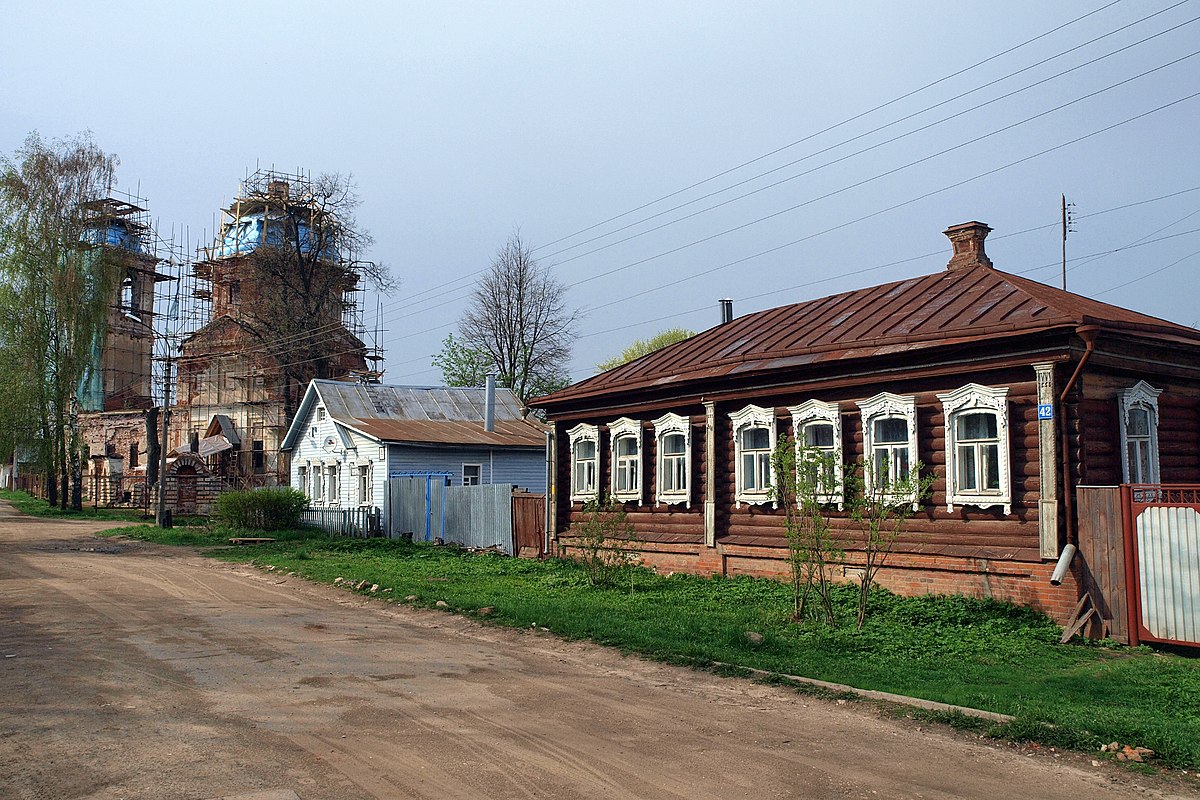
(907, 574)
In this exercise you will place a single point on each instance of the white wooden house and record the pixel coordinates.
(347, 439)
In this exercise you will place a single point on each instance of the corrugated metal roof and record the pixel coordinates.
(428, 414)
(954, 306)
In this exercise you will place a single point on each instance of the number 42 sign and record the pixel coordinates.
(1045, 411)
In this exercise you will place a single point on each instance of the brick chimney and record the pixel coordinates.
(967, 239)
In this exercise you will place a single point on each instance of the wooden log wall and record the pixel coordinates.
(1099, 460)
(966, 531)
(654, 522)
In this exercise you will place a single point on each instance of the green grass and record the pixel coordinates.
(970, 652)
(37, 507)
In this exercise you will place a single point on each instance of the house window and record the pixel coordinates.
(258, 460)
(234, 291)
(331, 484)
(626, 437)
(472, 474)
(818, 429)
(585, 458)
(1139, 433)
(977, 463)
(133, 455)
(672, 433)
(754, 442)
(318, 484)
(364, 484)
(320, 415)
(890, 442)
(302, 480)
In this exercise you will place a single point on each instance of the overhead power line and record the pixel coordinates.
(844, 122)
(837, 125)
(856, 153)
(860, 183)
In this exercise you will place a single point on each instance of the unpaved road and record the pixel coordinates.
(134, 671)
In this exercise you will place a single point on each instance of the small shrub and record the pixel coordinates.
(607, 541)
(268, 509)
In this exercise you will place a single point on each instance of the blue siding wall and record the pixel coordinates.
(524, 468)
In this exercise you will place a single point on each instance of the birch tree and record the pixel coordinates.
(55, 293)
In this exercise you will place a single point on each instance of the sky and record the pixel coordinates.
(658, 156)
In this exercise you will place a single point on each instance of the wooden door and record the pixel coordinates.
(529, 524)
(185, 485)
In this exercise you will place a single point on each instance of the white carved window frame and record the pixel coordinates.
(625, 428)
(1142, 396)
(752, 417)
(585, 432)
(968, 399)
(666, 425)
(886, 405)
(811, 411)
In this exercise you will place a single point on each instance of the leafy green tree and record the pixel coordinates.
(461, 364)
(643, 347)
(54, 294)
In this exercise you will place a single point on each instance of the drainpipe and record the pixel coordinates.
(1088, 333)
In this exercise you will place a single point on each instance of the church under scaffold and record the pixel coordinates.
(272, 303)
(279, 299)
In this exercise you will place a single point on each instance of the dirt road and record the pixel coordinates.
(134, 671)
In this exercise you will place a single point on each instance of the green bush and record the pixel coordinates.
(269, 509)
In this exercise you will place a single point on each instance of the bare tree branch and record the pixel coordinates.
(519, 319)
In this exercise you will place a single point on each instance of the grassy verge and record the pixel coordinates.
(977, 653)
(37, 507)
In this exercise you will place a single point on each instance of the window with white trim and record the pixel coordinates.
(1139, 433)
(673, 442)
(364, 483)
(890, 442)
(753, 444)
(331, 483)
(302, 479)
(818, 428)
(625, 439)
(977, 460)
(472, 474)
(318, 483)
(585, 462)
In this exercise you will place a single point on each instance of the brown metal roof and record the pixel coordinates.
(428, 414)
(508, 433)
(961, 305)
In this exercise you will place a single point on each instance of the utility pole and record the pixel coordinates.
(1067, 221)
(160, 512)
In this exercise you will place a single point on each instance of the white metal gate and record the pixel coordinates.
(1163, 527)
